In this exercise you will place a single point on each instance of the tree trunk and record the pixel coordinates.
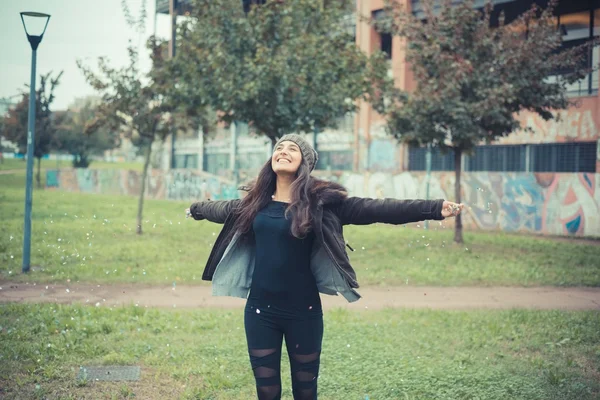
(37, 176)
(458, 229)
(143, 189)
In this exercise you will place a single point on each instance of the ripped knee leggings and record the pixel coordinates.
(303, 337)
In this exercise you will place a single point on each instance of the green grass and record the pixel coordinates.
(389, 354)
(87, 237)
(13, 164)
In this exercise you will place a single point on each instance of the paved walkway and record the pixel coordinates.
(185, 296)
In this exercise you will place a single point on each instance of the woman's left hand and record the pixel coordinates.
(450, 209)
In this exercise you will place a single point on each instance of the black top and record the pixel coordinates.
(282, 278)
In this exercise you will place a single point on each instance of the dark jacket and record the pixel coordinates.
(230, 265)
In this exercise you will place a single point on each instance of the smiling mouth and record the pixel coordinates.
(283, 161)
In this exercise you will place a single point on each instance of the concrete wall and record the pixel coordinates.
(576, 124)
(176, 185)
(549, 203)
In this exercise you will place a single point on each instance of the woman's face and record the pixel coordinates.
(286, 158)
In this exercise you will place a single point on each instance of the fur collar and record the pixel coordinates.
(323, 192)
(327, 192)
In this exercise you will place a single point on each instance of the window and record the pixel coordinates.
(497, 158)
(385, 38)
(546, 157)
(563, 157)
(186, 161)
(336, 160)
(218, 164)
(386, 44)
(439, 162)
(576, 29)
(251, 161)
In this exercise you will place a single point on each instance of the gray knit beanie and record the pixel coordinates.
(309, 154)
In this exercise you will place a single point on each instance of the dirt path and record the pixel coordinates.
(9, 171)
(185, 296)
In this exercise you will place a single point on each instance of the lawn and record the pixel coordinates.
(91, 238)
(389, 354)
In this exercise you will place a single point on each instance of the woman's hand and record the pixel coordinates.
(450, 209)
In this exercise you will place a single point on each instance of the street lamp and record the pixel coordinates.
(35, 21)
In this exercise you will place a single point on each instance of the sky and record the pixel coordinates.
(78, 29)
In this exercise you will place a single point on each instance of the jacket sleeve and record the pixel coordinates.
(214, 211)
(364, 211)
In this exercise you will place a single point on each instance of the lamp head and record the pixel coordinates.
(35, 24)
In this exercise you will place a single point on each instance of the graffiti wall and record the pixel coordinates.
(549, 203)
(175, 185)
(574, 124)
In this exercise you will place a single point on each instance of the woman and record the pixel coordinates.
(281, 245)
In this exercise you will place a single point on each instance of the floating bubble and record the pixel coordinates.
(257, 311)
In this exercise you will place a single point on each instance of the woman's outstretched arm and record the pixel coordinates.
(214, 211)
(364, 211)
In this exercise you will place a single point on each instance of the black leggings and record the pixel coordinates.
(265, 330)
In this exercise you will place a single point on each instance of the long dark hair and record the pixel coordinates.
(259, 195)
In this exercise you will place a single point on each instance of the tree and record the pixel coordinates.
(473, 78)
(281, 67)
(140, 105)
(78, 134)
(15, 124)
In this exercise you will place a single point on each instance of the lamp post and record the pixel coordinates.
(35, 21)
(428, 178)
(172, 47)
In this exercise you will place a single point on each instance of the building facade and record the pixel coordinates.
(360, 143)
(541, 179)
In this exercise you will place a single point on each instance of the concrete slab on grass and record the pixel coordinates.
(109, 373)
